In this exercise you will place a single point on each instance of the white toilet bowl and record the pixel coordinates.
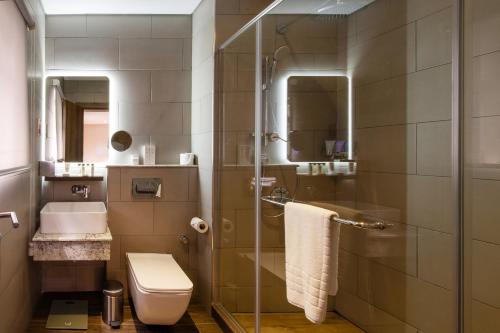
(159, 287)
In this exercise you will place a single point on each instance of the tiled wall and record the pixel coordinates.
(148, 61)
(153, 225)
(401, 279)
(19, 278)
(482, 186)
(202, 132)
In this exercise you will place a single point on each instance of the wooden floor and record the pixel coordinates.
(296, 322)
(196, 320)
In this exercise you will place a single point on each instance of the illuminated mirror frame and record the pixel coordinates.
(283, 110)
(112, 104)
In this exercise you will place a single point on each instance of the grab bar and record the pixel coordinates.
(281, 201)
(13, 217)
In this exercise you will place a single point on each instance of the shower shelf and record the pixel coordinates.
(378, 225)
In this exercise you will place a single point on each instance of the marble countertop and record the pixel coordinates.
(105, 237)
(150, 166)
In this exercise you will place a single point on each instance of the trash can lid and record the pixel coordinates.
(113, 288)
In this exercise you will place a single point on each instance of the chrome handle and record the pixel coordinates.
(13, 217)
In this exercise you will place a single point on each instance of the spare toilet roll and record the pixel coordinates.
(199, 225)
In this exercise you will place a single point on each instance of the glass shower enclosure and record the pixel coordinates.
(359, 107)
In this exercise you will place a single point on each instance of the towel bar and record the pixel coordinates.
(12, 216)
(281, 201)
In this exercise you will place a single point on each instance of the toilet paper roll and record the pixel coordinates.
(199, 225)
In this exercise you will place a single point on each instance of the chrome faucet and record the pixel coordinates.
(82, 190)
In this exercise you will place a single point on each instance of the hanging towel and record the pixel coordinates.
(311, 254)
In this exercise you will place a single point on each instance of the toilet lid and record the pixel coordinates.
(155, 272)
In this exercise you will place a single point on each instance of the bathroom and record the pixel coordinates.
(135, 195)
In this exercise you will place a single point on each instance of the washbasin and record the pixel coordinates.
(73, 218)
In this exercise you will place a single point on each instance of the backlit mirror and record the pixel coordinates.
(77, 119)
(317, 118)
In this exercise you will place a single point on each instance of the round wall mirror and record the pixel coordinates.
(121, 140)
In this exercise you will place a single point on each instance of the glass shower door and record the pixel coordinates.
(356, 117)
(235, 238)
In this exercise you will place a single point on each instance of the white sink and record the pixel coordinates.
(73, 218)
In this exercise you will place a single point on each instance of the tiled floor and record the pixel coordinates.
(296, 322)
(196, 320)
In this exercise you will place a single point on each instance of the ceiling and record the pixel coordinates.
(326, 7)
(68, 7)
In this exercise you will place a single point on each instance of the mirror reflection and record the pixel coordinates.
(121, 141)
(77, 117)
(317, 118)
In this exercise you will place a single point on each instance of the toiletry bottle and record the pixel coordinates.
(82, 169)
(92, 169)
(315, 169)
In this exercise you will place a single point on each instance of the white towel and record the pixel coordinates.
(311, 252)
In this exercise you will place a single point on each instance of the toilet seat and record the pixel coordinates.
(160, 289)
(155, 272)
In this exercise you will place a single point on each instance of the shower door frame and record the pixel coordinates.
(457, 151)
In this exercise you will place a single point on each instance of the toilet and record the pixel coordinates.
(159, 287)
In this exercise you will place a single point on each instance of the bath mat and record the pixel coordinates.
(68, 315)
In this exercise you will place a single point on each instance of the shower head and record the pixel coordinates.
(275, 61)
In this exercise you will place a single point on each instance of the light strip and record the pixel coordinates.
(282, 110)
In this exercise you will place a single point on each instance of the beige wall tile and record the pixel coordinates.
(434, 148)
(395, 248)
(172, 218)
(193, 185)
(485, 22)
(114, 263)
(484, 317)
(486, 77)
(429, 202)
(387, 149)
(420, 304)
(485, 210)
(114, 184)
(369, 317)
(383, 57)
(133, 86)
(429, 94)
(434, 39)
(348, 272)
(49, 53)
(130, 218)
(86, 53)
(436, 254)
(162, 54)
(90, 276)
(66, 26)
(173, 26)
(486, 273)
(151, 119)
(485, 139)
(171, 86)
(385, 190)
(119, 26)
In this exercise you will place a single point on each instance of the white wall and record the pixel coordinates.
(148, 61)
(202, 132)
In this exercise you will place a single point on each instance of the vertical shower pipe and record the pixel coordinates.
(258, 163)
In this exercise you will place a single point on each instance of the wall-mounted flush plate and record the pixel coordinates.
(146, 187)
